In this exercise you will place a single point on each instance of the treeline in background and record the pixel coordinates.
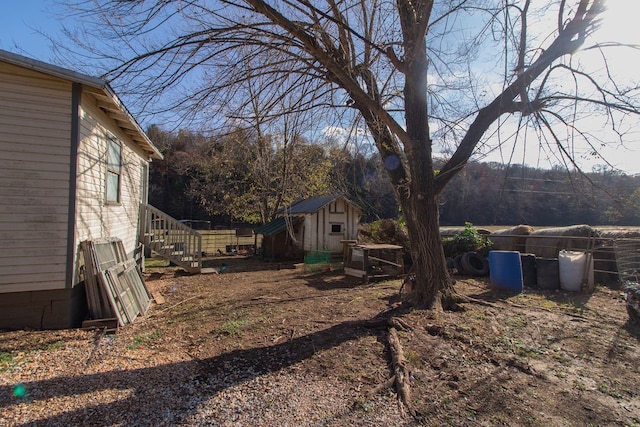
(243, 178)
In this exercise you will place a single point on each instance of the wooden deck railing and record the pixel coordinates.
(171, 239)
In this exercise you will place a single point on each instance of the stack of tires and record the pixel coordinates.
(470, 264)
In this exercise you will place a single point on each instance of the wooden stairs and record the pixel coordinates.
(170, 239)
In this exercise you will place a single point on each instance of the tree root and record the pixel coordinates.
(451, 300)
(401, 373)
(401, 379)
(480, 302)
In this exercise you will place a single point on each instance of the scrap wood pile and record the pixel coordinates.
(114, 286)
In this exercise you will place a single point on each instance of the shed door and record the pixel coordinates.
(337, 232)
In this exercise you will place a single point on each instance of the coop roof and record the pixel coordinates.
(277, 225)
(310, 205)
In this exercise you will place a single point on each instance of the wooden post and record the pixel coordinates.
(400, 262)
(365, 264)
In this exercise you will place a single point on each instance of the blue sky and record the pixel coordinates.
(20, 22)
(23, 21)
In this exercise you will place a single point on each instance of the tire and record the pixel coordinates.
(474, 264)
(458, 265)
(450, 264)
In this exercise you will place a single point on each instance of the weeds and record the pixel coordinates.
(6, 361)
(606, 389)
(139, 341)
(234, 328)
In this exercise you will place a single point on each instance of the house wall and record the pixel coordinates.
(35, 129)
(97, 218)
(37, 286)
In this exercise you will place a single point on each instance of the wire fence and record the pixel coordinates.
(627, 253)
(615, 260)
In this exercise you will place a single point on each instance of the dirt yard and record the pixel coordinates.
(271, 345)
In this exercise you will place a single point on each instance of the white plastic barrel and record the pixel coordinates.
(575, 269)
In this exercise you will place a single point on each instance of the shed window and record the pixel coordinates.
(336, 228)
(114, 163)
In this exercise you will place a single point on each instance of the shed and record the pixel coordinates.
(74, 168)
(318, 223)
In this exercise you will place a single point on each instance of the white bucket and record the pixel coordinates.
(575, 269)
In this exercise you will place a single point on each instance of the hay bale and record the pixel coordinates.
(548, 242)
(618, 232)
(452, 231)
(511, 239)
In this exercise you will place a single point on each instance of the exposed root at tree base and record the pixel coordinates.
(446, 299)
(401, 379)
(450, 300)
(401, 373)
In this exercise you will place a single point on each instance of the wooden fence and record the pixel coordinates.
(225, 242)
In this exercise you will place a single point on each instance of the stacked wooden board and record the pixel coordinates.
(113, 282)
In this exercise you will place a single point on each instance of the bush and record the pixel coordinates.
(385, 231)
(467, 240)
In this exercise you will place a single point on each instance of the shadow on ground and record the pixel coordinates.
(188, 384)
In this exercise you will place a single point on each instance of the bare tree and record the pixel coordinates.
(399, 65)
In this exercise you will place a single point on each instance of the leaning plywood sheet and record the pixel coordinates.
(114, 285)
(130, 294)
(97, 298)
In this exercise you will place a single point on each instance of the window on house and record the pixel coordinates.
(114, 164)
(336, 228)
(144, 183)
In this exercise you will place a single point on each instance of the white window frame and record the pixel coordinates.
(114, 170)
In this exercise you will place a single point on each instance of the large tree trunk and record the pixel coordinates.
(418, 200)
(432, 285)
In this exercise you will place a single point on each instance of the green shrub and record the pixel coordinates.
(385, 231)
(467, 240)
(393, 232)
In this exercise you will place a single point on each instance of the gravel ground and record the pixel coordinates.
(288, 398)
(270, 345)
(152, 388)
(184, 364)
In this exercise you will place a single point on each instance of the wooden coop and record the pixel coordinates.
(374, 261)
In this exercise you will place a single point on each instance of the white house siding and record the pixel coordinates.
(35, 129)
(95, 217)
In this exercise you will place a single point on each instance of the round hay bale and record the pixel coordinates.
(450, 231)
(547, 242)
(618, 232)
(511, 239)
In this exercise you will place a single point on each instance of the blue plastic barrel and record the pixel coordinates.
(505, 271)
